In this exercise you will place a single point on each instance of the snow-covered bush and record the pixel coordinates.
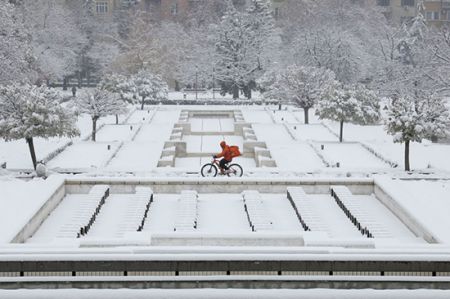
(99, 103)
(412, 120)
(354, 104)
(150, 86)
(28, 111)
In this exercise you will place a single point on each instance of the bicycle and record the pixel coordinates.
(212, 169)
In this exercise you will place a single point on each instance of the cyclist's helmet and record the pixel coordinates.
(223, 144)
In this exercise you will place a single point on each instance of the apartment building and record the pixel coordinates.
(107, 7)
(398, 11)
(437, 12)
(173, 9)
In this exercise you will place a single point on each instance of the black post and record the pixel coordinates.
(306, 110)
(94, 127)
(341, 131)
(196, 85)
(32, 152)
(407, 166)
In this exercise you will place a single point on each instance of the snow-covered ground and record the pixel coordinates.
(134, 147)
(137, 142)
(225, 294)
(219, 214)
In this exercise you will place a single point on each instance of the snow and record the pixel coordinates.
(161, 217)
(210, 143)
(315, 132)
(222, 213)
(225, 294)
(84, 155)
(212, 125)
(194, 164)
(110, 133)
(20, 200)
(426, 200)
(256, 116)
(166, 116)
(350, 156)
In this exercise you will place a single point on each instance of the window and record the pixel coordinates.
(446, 15)
(432, 15)
(408, 2)
(102, 7)
(174, 8)
(383, 2)
(276, 13)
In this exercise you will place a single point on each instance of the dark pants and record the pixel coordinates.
(223, 164)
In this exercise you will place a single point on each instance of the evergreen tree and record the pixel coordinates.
(242, 41)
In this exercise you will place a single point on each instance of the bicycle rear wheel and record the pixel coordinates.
(209, 170)
(235, 170)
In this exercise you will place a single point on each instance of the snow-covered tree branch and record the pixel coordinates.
(28, 111)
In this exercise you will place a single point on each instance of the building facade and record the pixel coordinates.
(399, 11)
(437, 13)
(171, 9)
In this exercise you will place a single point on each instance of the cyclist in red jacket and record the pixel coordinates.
(227, 156)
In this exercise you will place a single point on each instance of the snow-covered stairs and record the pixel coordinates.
(122, 214)
(91, 208)
(358, 214)
(187, 212)
(256, 213)
(305, 210)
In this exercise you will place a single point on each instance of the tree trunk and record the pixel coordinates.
(32, 152)
(341, 131)
(235, 92)
(117, 119)
(94, 128)
(88, 78)
(142, 104)
(249, 94)
(407, 166)
(306, 110)
(65, 83)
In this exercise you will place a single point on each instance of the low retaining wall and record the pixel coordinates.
(39, 217)
(220, 185)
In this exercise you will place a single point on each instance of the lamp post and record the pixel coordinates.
(213, 82)
(196, 83)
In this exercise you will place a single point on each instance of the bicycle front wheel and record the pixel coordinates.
(209, 170)
(235, 170)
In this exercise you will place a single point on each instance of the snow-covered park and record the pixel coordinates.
(224, 149)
